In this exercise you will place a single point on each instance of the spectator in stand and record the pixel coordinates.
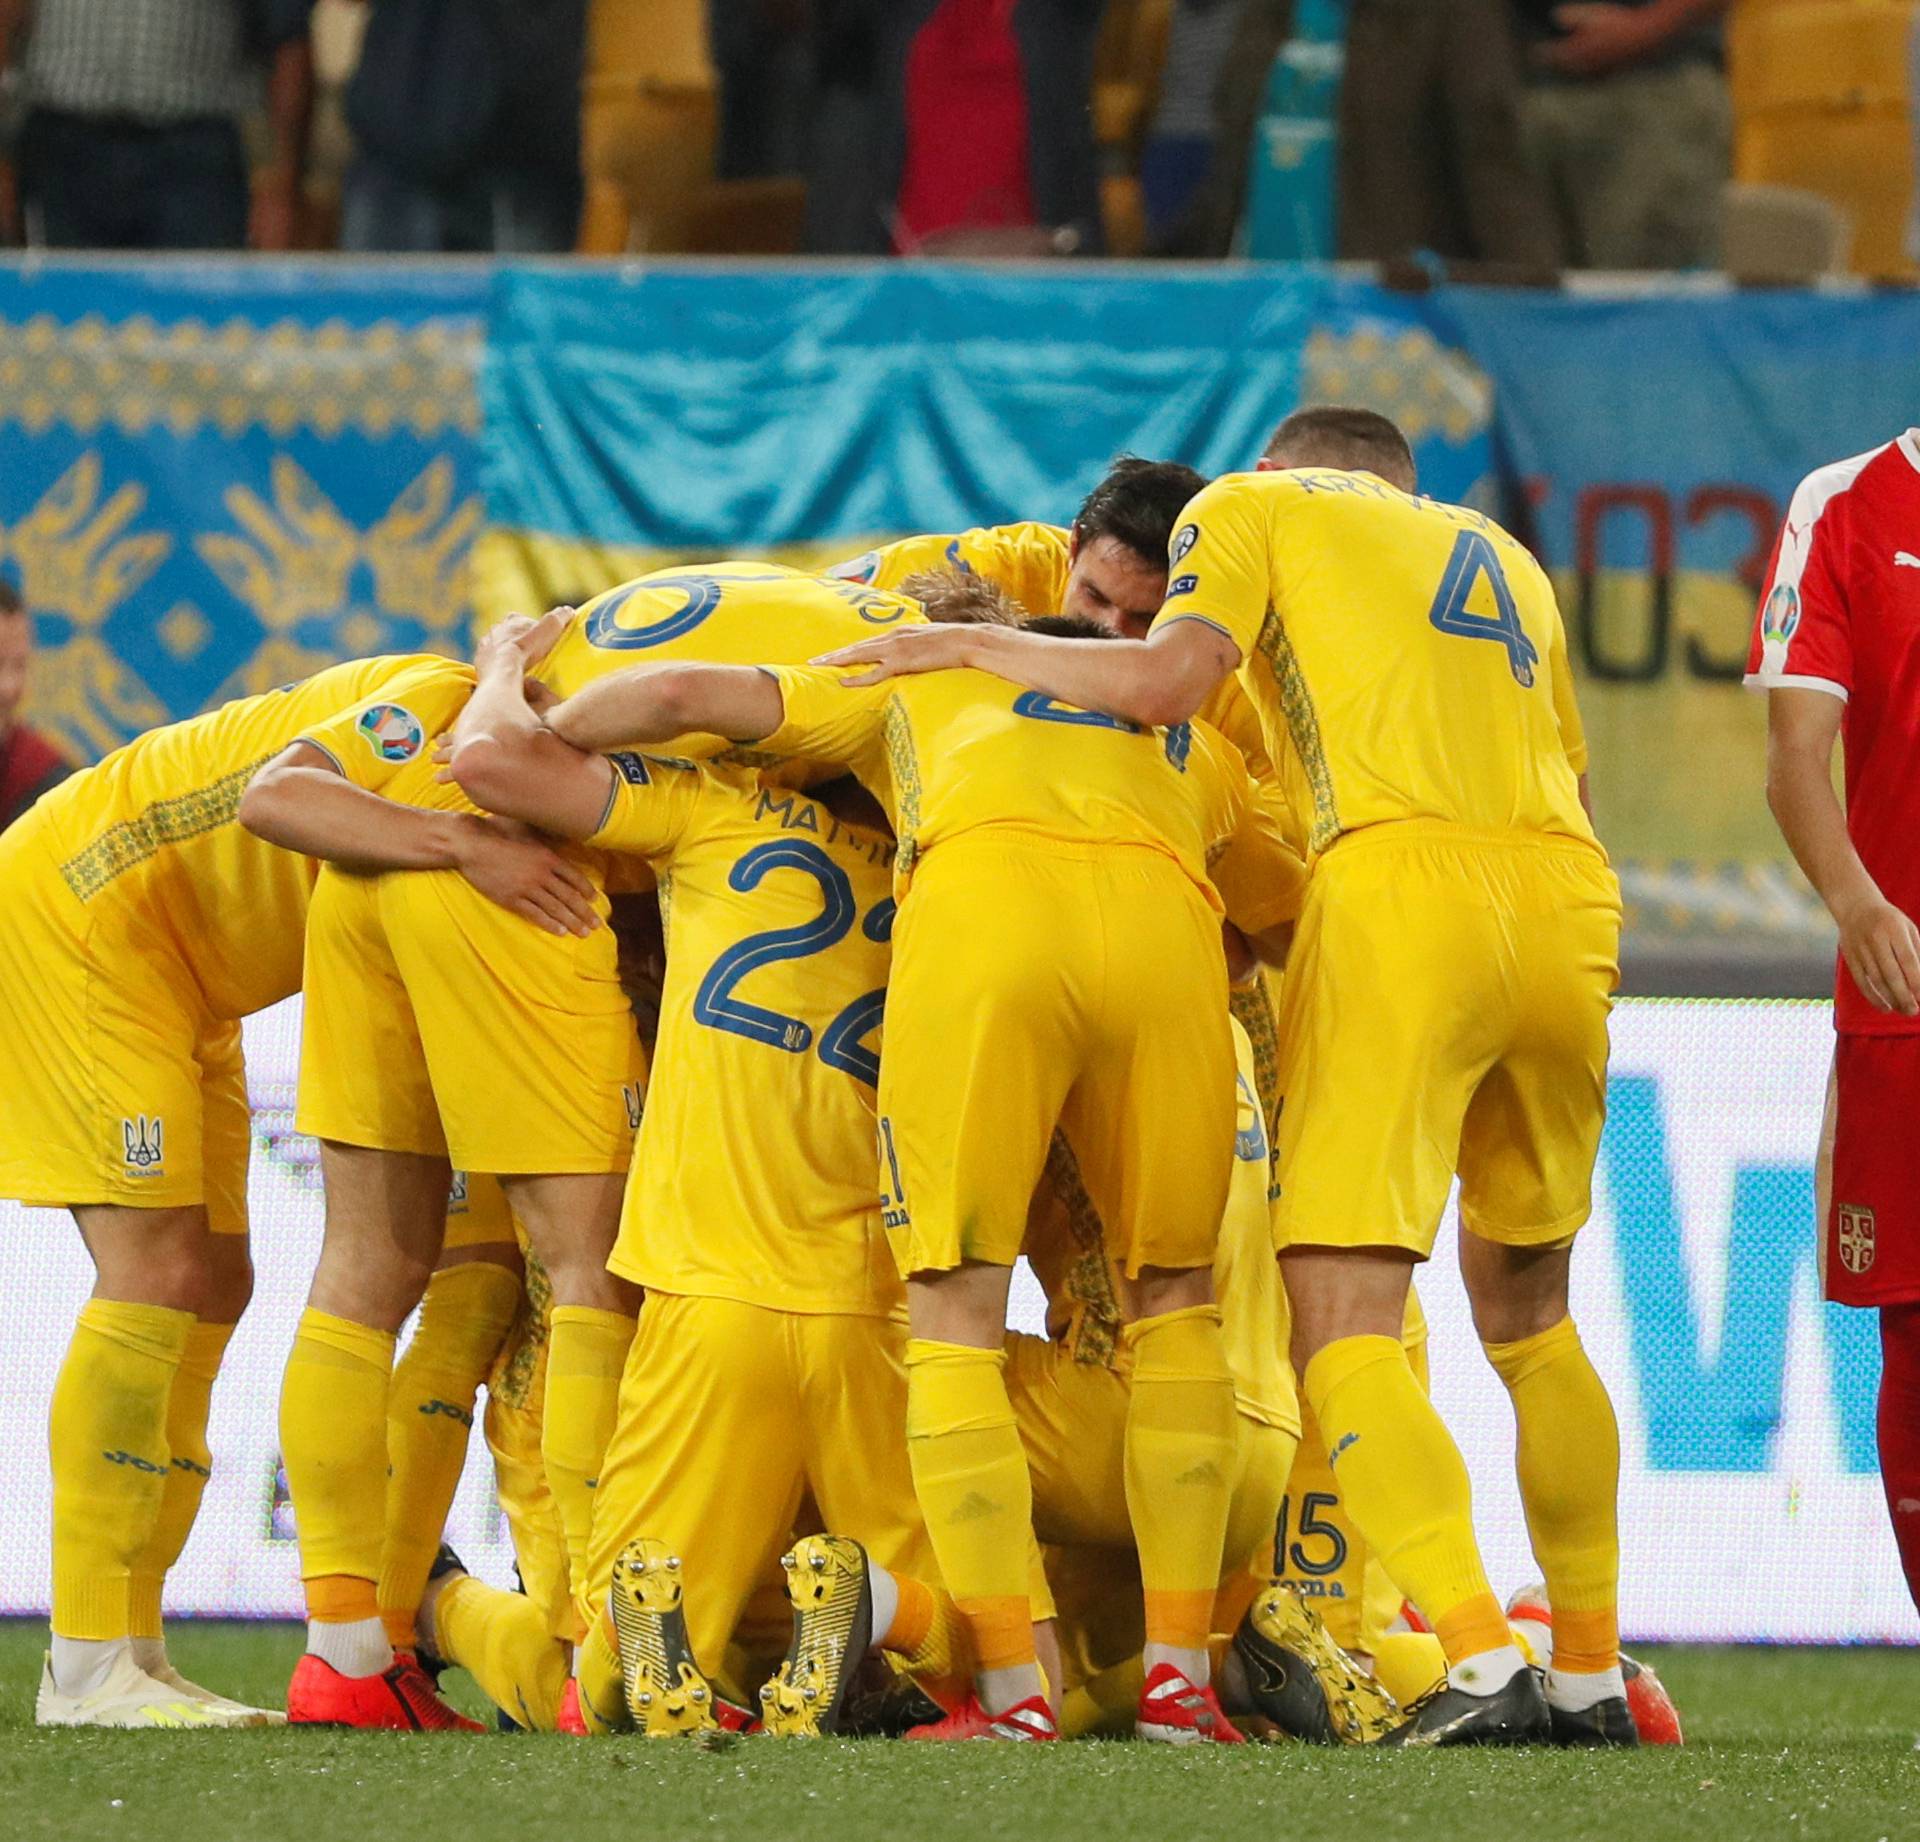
(1627, 118)
(132, 137)
(466, 116)
(29, 763)
(1430, 159)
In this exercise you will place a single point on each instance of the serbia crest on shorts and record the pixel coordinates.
(1854, 1240)
(393, 733)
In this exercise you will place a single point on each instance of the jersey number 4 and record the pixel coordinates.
(1474, 559)
(842, 1043)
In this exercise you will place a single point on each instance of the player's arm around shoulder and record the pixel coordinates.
(322, 797)
(647, 706)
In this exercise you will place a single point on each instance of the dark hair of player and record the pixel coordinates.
(1069, 627)
(1138, 504)
(1337, 435)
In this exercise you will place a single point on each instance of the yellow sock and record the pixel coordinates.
(1106, 1704)
(586, 1350)
(603, 1690)
(465, 1313)
(333, 1439)
(501, 1640)
(1568, 1459)
(931, 1637)
(1408, 1664)
(107, 1438)
(970, 1474)
(190, 1466)
(1404, 1486)
(1182, 1453)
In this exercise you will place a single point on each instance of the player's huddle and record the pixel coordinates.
(951, 780)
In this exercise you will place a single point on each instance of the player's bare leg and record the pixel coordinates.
(115, 1500)
(1568, 1459)
(970, 1474)
(1182, 1448)
(1405, 1487)
(572, 1222)
(386, 1215)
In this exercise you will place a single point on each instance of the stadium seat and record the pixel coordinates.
(1782, 236)
(1822, 104)
(648, 123)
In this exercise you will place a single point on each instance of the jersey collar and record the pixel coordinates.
(1909, 445)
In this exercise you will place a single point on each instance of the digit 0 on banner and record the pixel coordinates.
(1659, 647)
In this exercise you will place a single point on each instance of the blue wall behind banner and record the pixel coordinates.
(217, 476)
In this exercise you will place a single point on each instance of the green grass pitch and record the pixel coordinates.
(1783, 1744)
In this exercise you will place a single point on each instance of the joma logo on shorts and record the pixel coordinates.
(143, 1139)
(136, 1461)
(447, 1408)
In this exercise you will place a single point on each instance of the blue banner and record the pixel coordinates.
(218, 476)
(705, 411)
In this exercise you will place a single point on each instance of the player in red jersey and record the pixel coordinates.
(1837, 648)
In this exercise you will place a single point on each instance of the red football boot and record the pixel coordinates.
(1180, 1712)
(1026, 1720)
(402, 1699)
(569, 1719)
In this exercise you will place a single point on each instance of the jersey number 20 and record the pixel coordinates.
(1474, 558)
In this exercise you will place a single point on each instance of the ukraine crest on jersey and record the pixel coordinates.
(391, 731)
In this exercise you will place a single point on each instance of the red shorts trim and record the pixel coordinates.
(1870, 1246)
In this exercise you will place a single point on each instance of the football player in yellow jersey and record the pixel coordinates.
(438, 1032)
(1109, 566)
(141, 924)
(1038, 844)
(1455, 961)
(769, 1366)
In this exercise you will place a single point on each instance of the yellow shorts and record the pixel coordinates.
(1445, 1007)
(1073, 1424)
(438, 1023)
(731, 1418)
(1319, 1552)
(121, 1086)
(1030, 986)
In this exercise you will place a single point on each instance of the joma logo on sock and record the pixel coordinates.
(452, 1412)
(136, 1461)
(1333, 1457)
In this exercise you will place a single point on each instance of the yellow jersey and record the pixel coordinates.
(1029, 561)
(1032, 562)
(385, 745)
(148, 842)
(1406, 658)
(1088, 1295)
(954, 753)
(753, 1176)
(747, 613)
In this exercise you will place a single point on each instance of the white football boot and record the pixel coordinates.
(129, 1697)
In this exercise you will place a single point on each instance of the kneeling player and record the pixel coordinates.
(768, 1369)
(1037, 844)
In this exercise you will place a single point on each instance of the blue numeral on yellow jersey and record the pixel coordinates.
(1473, 558)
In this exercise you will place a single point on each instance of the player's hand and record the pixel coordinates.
(521, 636)
(1882, 949)
(930, 648)
(508, 865)
(1598, 38)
